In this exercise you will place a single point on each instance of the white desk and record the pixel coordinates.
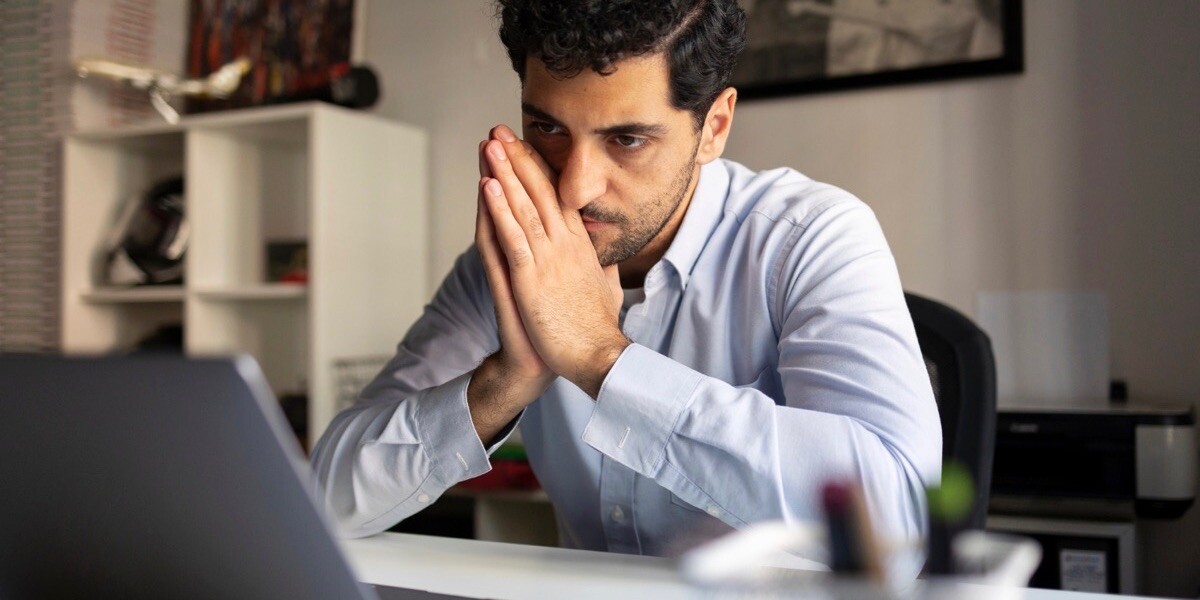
(515, 572)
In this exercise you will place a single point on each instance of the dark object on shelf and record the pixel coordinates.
(168, 338)
(295, 409)
(352, 87)
(1118, 390)
(148, 242)
(287, 262)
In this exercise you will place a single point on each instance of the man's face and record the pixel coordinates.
(625, 158)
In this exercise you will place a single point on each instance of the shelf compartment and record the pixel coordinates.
(120, 325)
(255, 191)
(274, 333)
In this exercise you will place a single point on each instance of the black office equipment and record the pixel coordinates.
(156, 476)
(1113, 461)
(1084, 481)
(962, 369)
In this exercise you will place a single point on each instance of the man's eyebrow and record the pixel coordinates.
(538, 113)
(647, 129)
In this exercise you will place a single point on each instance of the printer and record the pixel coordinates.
(1117, 460)
(1081, 481)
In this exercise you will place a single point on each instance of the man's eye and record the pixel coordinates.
(545, 128)
(630, 142)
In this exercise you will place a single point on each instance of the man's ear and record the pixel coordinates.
(717, 126)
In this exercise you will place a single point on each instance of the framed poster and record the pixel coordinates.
(806, 46)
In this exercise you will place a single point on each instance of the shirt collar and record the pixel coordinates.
(703, 214)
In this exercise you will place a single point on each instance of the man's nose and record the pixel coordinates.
(582, 178)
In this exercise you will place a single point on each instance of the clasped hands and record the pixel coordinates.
(556, 306)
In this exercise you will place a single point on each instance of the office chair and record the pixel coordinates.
(962, 369)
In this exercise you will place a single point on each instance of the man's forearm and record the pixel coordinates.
(496, 395)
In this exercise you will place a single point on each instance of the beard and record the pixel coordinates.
(635, 232)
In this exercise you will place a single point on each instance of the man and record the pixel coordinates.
(686, 345)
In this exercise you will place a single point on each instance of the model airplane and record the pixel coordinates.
(161, 85)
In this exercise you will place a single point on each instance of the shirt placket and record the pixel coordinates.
(618, 483)
(616, 507)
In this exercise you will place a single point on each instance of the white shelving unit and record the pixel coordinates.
(351, 185)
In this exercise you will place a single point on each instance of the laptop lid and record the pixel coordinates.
(156, 477)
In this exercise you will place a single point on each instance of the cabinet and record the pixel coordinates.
(350, 185)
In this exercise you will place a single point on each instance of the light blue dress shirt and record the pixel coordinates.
(773, 352)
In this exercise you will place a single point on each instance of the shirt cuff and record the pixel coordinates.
(638, 407)
(447, 434)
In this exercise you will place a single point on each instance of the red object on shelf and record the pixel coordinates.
(506, 474)
(298, 276)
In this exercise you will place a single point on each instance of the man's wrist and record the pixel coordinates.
(594, 368)
(512, 386)
(496, 395)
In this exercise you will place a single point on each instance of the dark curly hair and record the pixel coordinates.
(700, 38)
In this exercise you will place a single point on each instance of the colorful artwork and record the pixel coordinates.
(295, 46)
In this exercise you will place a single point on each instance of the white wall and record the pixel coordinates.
(442, 66)
(1081, 173)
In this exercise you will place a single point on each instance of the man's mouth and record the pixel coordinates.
(593, 225)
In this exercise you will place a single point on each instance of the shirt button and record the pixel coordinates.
(618, 515)
(714, 511)
(423, 498)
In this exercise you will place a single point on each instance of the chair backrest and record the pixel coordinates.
(962, 368)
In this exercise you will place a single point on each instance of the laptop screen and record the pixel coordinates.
(156, 477)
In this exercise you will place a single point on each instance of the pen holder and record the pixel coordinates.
(778, 560)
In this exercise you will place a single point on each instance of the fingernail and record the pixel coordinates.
(505, 134)
(493, 187)
(496, 151)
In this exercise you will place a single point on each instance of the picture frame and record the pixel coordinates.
(295, 47)
(812, 46)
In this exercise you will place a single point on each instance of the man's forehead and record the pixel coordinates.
(637, 90)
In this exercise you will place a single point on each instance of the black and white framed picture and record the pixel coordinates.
(806, 46)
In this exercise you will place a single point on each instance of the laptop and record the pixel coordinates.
(158, 476)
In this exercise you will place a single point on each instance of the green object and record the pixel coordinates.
(510, 451)
(951, 502)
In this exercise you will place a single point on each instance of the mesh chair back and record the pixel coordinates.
(962, 369)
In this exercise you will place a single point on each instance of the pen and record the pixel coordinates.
(853, 547)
